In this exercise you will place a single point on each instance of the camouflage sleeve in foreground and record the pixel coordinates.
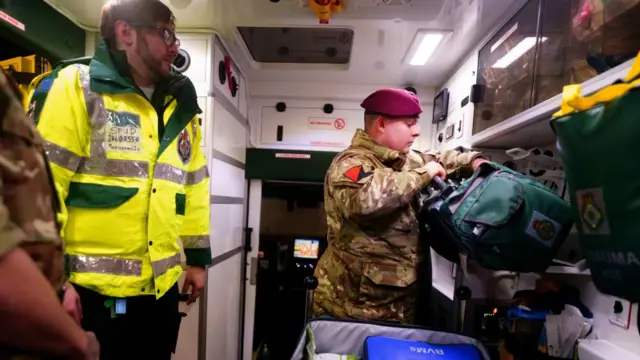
(359, 189)
(27, 216)
(455, 163)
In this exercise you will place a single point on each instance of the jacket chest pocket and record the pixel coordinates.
(385, 283)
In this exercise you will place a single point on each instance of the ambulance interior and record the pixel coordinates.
(280, 84)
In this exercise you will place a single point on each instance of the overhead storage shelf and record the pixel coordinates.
(531, 127)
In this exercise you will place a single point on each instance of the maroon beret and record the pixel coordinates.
(392, 102)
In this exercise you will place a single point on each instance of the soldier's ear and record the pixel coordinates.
(380, 123)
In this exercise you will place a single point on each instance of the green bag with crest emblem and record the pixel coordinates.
(597, 139)
(501, 219)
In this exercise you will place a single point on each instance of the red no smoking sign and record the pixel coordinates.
(339, 123)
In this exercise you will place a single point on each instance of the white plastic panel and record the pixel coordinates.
(602, 307)
(229, 135)
(253, 221)
(442, 276)
(226, 180)
(603, 350)
(187, 347)
(218, 56)
(226, 227)
(243, 101)
(199, 49)
(459, 86)
(202, 102)
(223, 309)
(310, 127)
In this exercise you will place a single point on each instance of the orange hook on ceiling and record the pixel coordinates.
(324, 8)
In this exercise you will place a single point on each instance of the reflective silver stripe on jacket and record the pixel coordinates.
(195, 241)
(161, 266)
(119, 266)
(98, 164)
(105, 265)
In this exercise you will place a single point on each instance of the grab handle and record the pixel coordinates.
(310, 283)
(438, 183)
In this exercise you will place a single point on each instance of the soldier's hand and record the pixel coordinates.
(435, 169)
(477, 162)
(71, 303)
(93, 347)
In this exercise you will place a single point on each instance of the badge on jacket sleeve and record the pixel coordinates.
(184, 146)
(357, 173)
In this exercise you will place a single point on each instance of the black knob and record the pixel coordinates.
(440, 137)
(281, 107)
(222, 72)
(411, 89)
(617, 307)
(463, 293)
(234, 86)
(311, 282)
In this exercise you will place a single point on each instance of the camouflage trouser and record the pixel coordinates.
(320, 313)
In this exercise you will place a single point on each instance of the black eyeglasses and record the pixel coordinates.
(168, 36)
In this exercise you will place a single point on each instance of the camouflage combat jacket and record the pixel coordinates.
(29, 201)
(370, 194)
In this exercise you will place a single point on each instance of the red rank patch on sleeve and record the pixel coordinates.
(356, 173)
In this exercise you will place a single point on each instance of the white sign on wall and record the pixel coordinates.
(326, 123)
(293, 156)
(309, 127)
(11, 20)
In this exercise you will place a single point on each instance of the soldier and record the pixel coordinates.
(122, 138)
(368, 271)
(34, 324)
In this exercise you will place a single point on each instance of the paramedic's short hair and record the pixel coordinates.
(145, 12)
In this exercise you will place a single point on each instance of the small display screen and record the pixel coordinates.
(437, 106)
(306, 248)
(440, 106)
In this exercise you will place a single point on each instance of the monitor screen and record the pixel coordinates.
(440, 106)
(306, 248)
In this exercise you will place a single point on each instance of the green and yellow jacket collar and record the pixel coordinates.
(110, 74)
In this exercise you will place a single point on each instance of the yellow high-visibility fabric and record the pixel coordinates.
(128, 203)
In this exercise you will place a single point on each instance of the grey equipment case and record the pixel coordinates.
(348, 336)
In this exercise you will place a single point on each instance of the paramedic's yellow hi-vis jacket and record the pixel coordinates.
(132, 189)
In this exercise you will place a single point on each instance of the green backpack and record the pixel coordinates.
(499, 218)
(597, 139)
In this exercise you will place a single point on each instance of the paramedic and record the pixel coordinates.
(122, 136)
(34, 324)
(368, 271)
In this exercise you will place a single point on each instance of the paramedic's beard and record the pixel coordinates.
(154, 66)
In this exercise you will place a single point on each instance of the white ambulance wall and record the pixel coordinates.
(306, 126)
(459, 86)
(91, 40)
(212, 329)
(602, 307)
(228, 194)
